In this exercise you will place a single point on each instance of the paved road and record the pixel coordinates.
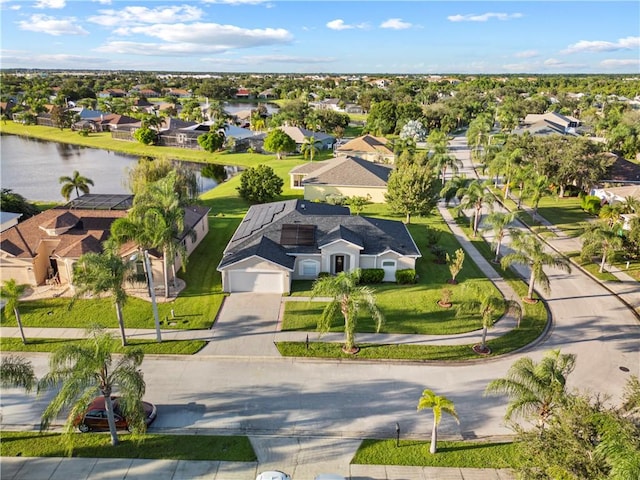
(341, 401)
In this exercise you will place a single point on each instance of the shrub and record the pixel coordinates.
(439, 253)
(324, 275)
(406, 276)
(590, 204)
(335, 199)
(371, 275)
(433, 236)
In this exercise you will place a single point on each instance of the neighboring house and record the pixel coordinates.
(550, 123)
(8, 220)
(178, 92)
(6, 107)
(368, 147)
(299, 135)
(43, 249)
(622, 170)
(342, 176)
(181, 138)
(243, 93)
(268, 94)
(112, 93)
(613, 195)
(296, 240)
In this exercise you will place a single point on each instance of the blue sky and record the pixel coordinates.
(411, 37)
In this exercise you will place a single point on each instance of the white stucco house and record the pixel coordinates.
(296, 240)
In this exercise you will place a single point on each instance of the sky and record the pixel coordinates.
(359, 37)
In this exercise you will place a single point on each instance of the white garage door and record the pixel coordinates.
(259, 282)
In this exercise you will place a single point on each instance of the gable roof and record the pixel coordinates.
(299, 134)
(345, 171)
(366, 143)
(331, 223)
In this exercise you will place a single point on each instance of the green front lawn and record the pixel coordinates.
(151, 347)
(153, 446)
(450, 454)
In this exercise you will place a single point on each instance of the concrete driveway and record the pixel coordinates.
(246, 325)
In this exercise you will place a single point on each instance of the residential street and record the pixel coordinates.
(247, 390)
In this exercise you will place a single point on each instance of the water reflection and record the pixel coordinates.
(33, 168)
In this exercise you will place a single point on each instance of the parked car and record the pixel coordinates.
(273, 475)
(95, 416)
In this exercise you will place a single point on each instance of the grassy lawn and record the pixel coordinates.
(408, 308)
(151, 347)
(450, 454)
(592, 267)
(153, 446)
(531, 327)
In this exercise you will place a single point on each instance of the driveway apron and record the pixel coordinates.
(246, 325)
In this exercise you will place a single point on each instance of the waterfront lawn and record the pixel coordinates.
(153, 446)
(450, 454)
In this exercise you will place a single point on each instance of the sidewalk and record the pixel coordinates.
(21, 468)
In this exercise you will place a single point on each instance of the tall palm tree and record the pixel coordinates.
(611, 213)
(17, 372)
(439, 404)
(11, 291)
(475, 196)
(535, 390)
(347, 297)
(309, 147)
(478, 134)
(75, 182)
(82, 371)
(601, 238)
(490, 305)
(454, 185)
(528, 250)
(104, 273)
(536, 188)
(498, 223)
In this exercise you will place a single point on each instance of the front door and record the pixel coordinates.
(339, 263)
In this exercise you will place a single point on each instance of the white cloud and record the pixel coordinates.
(527, 54)
(135, 16)
(338, 24)
(52, 26)
(238, 2)
(215, 35)
(28, 60)
(264, 59)
(626, 43)
(395, 24)
(50, 4)
(554, 63)
(620, 62)
(102, 2)
(472, 17)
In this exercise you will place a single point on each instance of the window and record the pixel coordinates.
(309, 268)
(388, 263)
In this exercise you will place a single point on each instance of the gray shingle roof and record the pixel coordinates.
(350, 171)
(332, 222)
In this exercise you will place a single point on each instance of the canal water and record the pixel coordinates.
(33, 168)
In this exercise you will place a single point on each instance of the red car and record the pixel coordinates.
(95, 417)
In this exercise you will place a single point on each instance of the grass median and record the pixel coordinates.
(149, 347)
(450, 454)
(152, 446)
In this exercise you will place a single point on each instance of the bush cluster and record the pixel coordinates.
(371, 275)
(406, 276)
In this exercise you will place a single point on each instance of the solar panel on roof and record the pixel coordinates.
(298, 235)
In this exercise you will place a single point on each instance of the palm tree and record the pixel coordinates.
(535, 389)
(475, 196)
(452, 187)
(490, 305)
(498, 223)
(440, 159)
(600, 237)
(528, 250)
(75, 182)
(104, 273)
(478, 133)
(439, 404)
(82, 371)
(631, 204)
(611, 213)
(535, 190)
(17, 372)
(309, 147)
(11, 291)
(347, 297)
